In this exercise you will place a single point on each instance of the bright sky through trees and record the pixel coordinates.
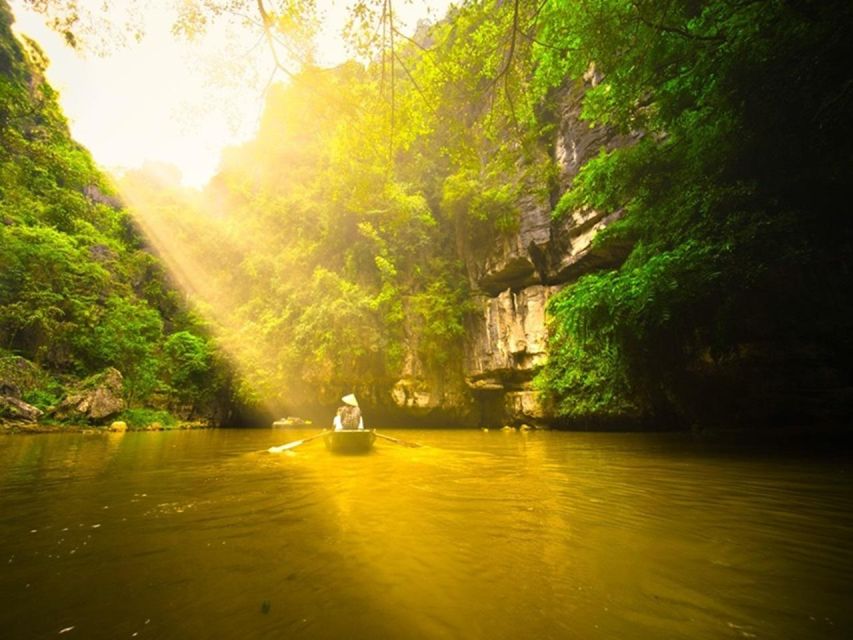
(169, 100)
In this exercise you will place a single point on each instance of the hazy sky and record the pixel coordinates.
(168, 100)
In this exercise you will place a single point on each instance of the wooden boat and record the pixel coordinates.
(290, 421)
(350, 440)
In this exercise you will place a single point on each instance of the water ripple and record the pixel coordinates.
(479, 535)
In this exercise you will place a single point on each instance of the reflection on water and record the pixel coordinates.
(481, 535)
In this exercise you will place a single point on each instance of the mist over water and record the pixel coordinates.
(479, 535)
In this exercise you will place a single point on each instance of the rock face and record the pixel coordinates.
(515, 276)
(431, 396)
(98, 397)
(516, 260)
(507, 341)
(505, 348)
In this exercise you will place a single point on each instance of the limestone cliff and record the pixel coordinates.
(512, 277)
(515, 275)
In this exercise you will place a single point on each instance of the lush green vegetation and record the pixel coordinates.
(329, 245)
(734, 200)
(79, 290)
(329, 251)
(139, 418)
(362, 190)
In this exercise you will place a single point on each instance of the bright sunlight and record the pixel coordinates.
(176, 101)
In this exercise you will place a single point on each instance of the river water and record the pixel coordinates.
(203, 534)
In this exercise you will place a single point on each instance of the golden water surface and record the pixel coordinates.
(479, 535)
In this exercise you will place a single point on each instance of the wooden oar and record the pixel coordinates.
(405, 443)
(294, 444)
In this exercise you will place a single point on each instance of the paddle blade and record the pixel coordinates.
(285, 447)
(296, 443)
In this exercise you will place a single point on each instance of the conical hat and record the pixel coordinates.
(350, 399)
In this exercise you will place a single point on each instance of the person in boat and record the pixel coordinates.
(349, 414)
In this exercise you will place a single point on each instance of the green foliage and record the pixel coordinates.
(719, 194)
(318, 276)
(77, 291)
(188, 360)
(438, 320)
(464, 196)
(331, 254)
(338, 331)
(139, 418)
(329, 243)
(47, 287)
(126, 335)
(587, 378)
(44, 398)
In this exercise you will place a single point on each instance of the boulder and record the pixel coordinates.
(16, 409)
(96, 398)
(118, 426)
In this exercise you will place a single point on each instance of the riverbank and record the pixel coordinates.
(29, 428)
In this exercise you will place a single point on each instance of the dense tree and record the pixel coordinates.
(79, 289)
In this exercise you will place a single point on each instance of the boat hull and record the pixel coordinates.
(350, 440)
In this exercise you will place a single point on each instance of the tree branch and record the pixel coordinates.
(425, 50)
(417, 86)
(513, 39)
(393, 96)
(530, 38)
(679, 31)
